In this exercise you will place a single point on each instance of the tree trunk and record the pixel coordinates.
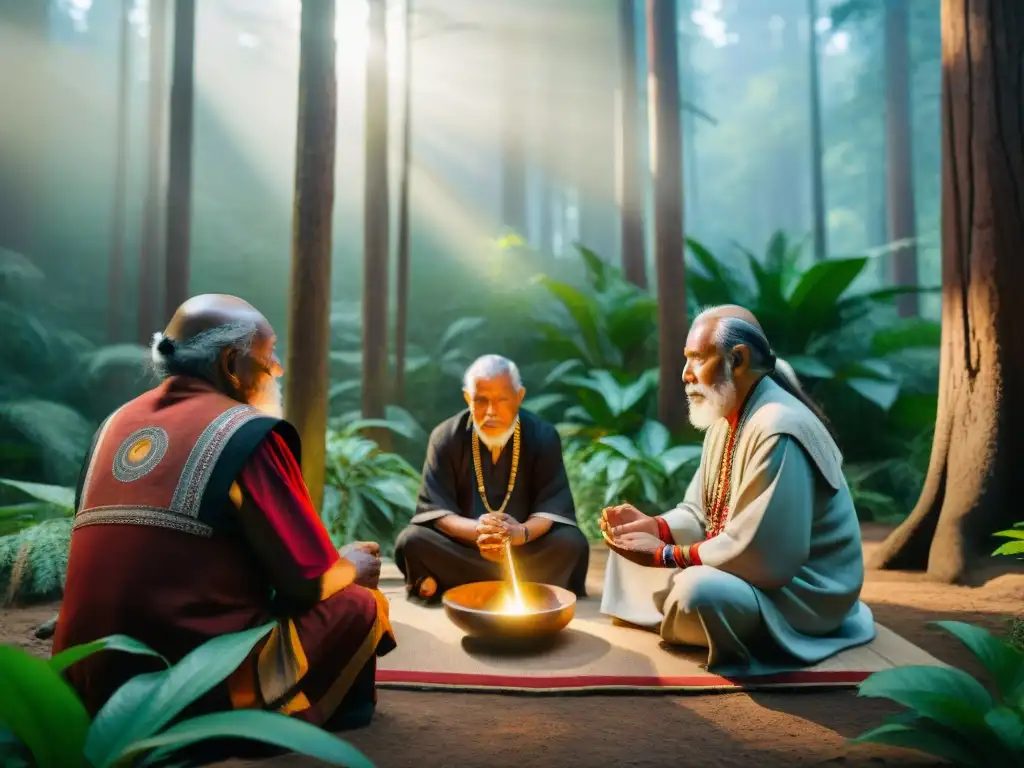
(513, 138)
(309, 304)
(150, 307)
(402, 298)
(179, 161)
(115, 268)
(667, 156)
(900, 171)
(817, 142)
(375, 219)
(974, 481)
(634, 261)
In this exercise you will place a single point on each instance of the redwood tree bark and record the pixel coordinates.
(375, 219)
(150, 303)
(403, 265)
(179, 161)
(309, 302)
(115, 267)
(667, 152)
(900, 170)
(634, 261)
(975, 484)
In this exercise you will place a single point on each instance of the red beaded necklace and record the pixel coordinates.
(717, 502)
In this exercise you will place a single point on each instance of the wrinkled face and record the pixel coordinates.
(710, 388)
(494, 404)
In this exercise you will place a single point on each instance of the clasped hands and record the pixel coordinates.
(632, 534)
(365, 556)
(493, 530)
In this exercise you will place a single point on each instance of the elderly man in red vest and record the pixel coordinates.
(193, 521)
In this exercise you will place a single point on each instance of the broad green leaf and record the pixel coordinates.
(1004, 663)
(147, 703)
(581, 309)
(947, 695)
(399, 428)
(342, 388)
(461, 327)
(346, 358)
(266, 727)
(65, 659)
(1010, 534)
(811, 367)
(51, 494)
(397, 491)
(598, 271)
(819, 288)
(946, 746)
(881, 393)
(1008, 725)
(679, 456)
(41, 710)
(907, 335)
(1010, 548)
(561, 371)
(653, 439)
(542, 403)
(621, 445)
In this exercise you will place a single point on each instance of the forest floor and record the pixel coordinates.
(720, 730)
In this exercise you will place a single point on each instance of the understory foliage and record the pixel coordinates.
(875, 374)
(35, 542)
(43, 723)
(55, 384)
(950, 714)
(370, 493)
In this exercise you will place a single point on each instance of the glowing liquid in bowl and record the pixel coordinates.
(514, 602)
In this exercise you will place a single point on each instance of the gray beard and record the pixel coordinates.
(499, 442)
(268, 399)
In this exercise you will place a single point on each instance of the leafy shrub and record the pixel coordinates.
(648, 472)
(1015, 545)
(55, 385)
(952, 715)
(34, 540)
(45, 725)
(370, 493)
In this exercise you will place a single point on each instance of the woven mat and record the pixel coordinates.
(593, 654)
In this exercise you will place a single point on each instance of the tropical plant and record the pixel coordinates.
(55, 385)
(647, 471)
(825, 330)
(951, 715)
(44, 724)
(885, 490)
(34, 540)
(47, 502)
(609, 325)
(1015, 545)
(370, 493)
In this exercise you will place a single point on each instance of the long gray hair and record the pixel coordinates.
(733, 331)
(198, 356)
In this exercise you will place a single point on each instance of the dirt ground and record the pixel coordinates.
(796, 728)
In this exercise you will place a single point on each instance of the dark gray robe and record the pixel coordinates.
(560, 557)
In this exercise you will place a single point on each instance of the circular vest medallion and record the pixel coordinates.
(140, 453)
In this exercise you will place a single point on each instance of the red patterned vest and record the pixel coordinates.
(156, 551)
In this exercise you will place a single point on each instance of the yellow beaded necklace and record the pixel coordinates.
(478, 467)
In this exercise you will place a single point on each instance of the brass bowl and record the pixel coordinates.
(478, 610)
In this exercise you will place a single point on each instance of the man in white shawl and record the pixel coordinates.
(761, 563)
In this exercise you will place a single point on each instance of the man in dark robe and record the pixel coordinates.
(493, 475)
(193, 521)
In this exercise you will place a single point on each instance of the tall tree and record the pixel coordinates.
(817, 141)
(900, 171)
(513, 133)
(403, 263)
(667, 162)
(309, 302)
(115, 267)
(376, 219)
(634, 260)
(974, 482)
(179, 161)
(150, 303)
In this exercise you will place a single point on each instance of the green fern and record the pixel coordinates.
(59, 434)
(46, 548)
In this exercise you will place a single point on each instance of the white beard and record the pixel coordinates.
(495, 443)
(718, 401)
(268, 399)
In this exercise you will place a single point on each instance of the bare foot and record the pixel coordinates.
(428, 587)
